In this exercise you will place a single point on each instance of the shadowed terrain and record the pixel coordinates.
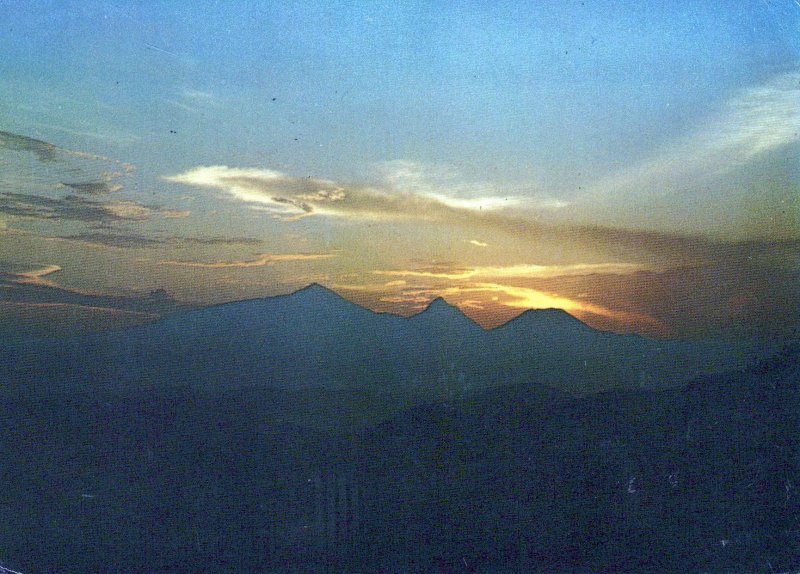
(359, 442)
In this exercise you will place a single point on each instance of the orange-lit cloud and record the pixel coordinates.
(35, 277)
(485, 295)
(291, 198)
(521, 270)
(175, 213)
(525, 298)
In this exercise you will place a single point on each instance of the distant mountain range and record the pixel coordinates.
(315, 339)
(303, 433)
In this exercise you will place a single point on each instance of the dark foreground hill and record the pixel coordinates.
(513, 479)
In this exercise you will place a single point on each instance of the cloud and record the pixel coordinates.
(128, 211)
(220, 240)
(491, 304)
(526, 298)
(262, 261)
(119, 240)
(477, 243)
(515, 271)
(43, 151)
(445, 185)
(93, 187)
(75, 208)
(123, 240)
(701, 181)
(99, 174)
(289, 197)
(755, 121)
(35, 277)
(174, 213)
(108, 135)
(282, 194)
(198, 96)
(193, 101)
(748, 289)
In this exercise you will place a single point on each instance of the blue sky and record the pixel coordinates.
(544, 93)
(678, 119)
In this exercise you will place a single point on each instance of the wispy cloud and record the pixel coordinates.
(220, 240)
(126, 240)
(35, 276)
(290, 197)
(262, 261)
(193, 101)
(108, 135)
(76, 208)
(42, 150)
(196, 95)
(515, 271)
(117, 240)
(755, 121)
(445, 185)
(93, 187)
(688, 183)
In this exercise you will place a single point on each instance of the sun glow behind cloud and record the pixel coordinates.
(492, 295)
(525, 298)
(520, 270)
(503, 172)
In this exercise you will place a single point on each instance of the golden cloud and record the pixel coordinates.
(520, 271)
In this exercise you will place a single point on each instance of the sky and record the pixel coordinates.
(633, 163)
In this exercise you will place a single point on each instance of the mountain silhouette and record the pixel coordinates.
(314, 338)
(305, 433)
(440, 314)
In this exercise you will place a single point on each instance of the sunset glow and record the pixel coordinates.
(635, 167)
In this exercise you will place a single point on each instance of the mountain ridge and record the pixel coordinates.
(438, 305)
(315, 338)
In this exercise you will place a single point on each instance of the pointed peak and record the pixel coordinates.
(315, 292)
(313, 288)
(439, 309)
(440, 303)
